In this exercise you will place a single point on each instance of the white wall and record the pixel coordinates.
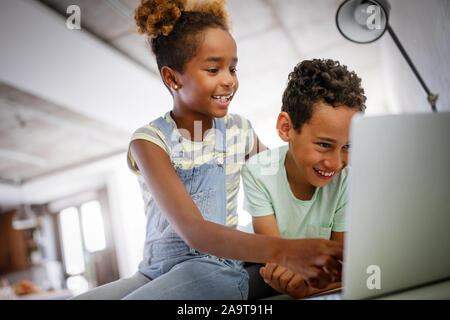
(74, 69)
(423, 28)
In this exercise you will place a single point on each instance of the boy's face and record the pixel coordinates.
(320, 151)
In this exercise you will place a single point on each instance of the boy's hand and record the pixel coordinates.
(316, 261)
(284, 280)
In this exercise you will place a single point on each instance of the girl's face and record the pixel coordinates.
(209, 81)
(320, 151)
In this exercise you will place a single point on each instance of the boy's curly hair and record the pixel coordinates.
(174, 27)
(320, 80)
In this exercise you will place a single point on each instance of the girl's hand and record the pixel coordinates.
(316, 260)
(284, 280)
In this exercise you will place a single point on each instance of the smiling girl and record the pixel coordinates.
(188, 165)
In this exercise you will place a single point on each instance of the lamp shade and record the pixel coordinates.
(363, 21)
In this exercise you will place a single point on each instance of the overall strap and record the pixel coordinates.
(172, 137)
(221, 136)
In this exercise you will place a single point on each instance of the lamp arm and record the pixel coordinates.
(432, 98)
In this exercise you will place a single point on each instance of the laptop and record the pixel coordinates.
(398, 243)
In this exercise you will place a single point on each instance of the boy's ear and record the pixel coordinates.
(284, 126)
(170, 78)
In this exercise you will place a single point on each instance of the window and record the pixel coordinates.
(92, 222)
(72, 247)
(82, 234)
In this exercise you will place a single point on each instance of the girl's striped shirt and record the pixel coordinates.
(240, 141)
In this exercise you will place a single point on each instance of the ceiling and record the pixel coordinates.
(111, 21)
(40, 137)
(272, 37)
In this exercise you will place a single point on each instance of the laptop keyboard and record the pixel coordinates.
(332, 296)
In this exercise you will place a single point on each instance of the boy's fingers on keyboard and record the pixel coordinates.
(262, 271)
(278, 272)
(295, 282)
(269, 270)
(297, 287)
(285, 278)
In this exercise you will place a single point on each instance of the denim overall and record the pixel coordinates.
(176, 270)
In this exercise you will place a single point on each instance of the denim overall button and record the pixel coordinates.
(176, 165)
(220, 161)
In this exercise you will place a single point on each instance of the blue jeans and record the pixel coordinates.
(194, 278)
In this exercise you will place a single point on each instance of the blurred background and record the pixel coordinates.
(71, 214)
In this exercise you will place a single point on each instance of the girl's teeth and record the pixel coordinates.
(223, 98)
(325, 174)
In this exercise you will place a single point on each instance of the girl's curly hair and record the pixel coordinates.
(320, 80)
(174, 27)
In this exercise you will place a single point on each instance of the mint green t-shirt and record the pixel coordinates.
(267, 192)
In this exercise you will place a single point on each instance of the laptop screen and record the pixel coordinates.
(399, 204)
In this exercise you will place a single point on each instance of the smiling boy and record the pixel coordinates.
(306, 196)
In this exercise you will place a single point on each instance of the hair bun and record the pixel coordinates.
(158, 17)
(216, 8)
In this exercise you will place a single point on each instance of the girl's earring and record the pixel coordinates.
(175, 87)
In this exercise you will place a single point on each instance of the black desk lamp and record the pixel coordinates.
(365, 21)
